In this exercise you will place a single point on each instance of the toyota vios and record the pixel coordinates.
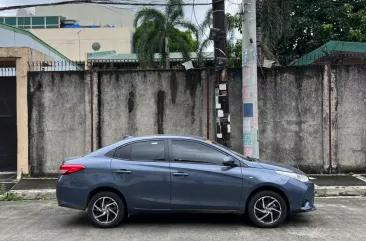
(180, 174)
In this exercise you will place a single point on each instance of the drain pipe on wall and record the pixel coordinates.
(91, 110)
(208, 72)
(330, 116)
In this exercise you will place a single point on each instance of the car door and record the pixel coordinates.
(141, 170)
(199, 180)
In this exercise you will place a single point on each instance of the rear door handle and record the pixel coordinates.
(123, 171)
(180, 174)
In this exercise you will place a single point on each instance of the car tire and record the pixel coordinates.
(106, 210)
(267, 209)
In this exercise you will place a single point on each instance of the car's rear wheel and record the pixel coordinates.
(267, 209)
(106, 209)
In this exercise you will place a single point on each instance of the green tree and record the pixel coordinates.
(160, 33)
(315, 22)
(174, 46)
(272, 22)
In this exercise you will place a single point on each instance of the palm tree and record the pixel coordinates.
(273, 20)
(164, 26)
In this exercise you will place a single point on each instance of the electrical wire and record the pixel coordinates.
(125, 3)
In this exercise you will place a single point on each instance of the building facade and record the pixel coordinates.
(73, 29)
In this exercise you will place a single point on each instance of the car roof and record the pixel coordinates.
(164, 136)
(127, 139)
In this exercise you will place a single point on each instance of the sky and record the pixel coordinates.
(231, 6)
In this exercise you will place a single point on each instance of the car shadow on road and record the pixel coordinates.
(196, 220)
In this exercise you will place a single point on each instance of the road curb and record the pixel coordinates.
(39, 194)
(330, 191)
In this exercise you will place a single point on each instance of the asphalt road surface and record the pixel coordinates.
(336, 219)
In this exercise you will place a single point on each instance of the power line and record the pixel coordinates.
(124, 3)
(195, 17)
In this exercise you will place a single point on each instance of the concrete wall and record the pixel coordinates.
(90, 14)
(294, 116)
(59, 118)
(146, 103)
(66, 40)
(350, 118)
(124, 103)
(293, 113)
(290, 110)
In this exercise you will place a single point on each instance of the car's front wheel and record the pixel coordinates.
(106, 209)
(267, 209)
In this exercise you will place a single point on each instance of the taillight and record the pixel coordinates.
(71, 168)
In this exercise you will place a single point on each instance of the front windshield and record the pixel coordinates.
(234, 152)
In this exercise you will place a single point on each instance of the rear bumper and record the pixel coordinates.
(69, 194)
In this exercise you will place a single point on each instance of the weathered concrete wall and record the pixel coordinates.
(236, 109)
(293, 113)
(294, 116)
(124, 103)
(59, 118)
(290, 110)
(150, 102)
(290, 115)
(351, 118)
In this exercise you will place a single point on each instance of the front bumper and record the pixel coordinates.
(301, 196)
(308, 207)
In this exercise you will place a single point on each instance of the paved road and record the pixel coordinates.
(336, 219)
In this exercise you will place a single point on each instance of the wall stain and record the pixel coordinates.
(131, 101)
(132, 111)
(116, 77)
(37, 129)
(173, 86)
(99, 107)
(193, 79)
(160, 111)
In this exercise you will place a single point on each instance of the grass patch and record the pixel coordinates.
(2, 189)
(10, 197)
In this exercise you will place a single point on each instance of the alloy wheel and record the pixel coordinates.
(105, 210)
(267, 210)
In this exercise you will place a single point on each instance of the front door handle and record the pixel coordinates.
(180, 174)
(123, 171)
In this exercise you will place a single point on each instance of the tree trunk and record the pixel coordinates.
(167, 57)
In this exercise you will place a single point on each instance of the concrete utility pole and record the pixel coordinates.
(221, 89)
(249, 64)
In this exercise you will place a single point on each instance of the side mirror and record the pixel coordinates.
(229, 161)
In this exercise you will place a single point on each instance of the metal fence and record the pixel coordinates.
(110, 64)
(335, 58)
(7, 72)
(56, 65)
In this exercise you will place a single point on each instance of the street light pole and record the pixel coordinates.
(249, 65)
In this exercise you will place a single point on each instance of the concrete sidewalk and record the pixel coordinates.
(325, 185)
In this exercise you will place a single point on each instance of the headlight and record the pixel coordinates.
(301, 178)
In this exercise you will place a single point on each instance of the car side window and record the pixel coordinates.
(196, 153)
(148, 151)
(123, 153)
